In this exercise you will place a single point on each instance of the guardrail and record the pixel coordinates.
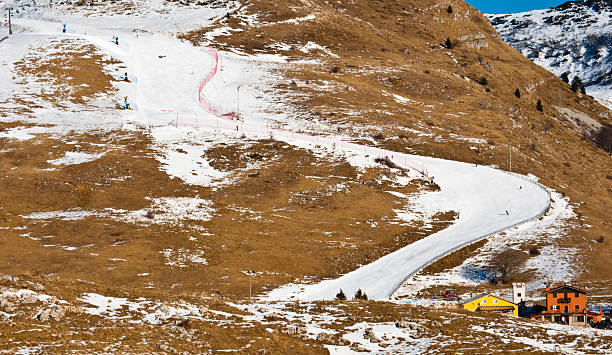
(481, 237)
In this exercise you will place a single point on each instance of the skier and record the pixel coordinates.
(64, 28)
(126, 104)
(126, 77)
(507, 214)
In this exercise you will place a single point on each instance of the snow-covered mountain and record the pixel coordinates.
(573, 38)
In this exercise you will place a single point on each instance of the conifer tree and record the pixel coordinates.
(448, 44)
(565, 77)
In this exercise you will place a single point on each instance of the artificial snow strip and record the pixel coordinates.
(172, 76)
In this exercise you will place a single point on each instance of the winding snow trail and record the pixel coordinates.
(168, 76)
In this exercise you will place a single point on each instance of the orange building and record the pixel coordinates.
(568, 305)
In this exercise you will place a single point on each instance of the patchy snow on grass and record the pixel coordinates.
(72, 158)
(181, 155)
(107, 306)
(68, 215)
(173, 209)
(182, 257)
(21, 133)
(312, 46)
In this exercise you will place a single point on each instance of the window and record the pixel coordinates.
(548, 318)
(580, 318)
(565, 295)
(518, 294)
(566, 308)
(484, 301)
(555, 307)
(554, 295)
(577, 294)
(495, 301)
(577, 307)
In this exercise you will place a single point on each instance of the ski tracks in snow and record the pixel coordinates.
(172, 79)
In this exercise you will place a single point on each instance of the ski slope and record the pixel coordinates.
(167, 75)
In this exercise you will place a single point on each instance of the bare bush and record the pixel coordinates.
(508, 263)
(533, 251)
(386, 161)
(378, 136)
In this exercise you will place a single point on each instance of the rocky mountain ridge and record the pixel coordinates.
(573, 38)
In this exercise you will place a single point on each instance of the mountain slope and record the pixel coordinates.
(573, 38)
(122, 217)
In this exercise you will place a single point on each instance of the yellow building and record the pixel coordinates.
(489, 303)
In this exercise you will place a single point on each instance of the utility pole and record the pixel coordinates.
(559, 109)
(250, 272)
(10, 27)
(510, 154)
(238, 109)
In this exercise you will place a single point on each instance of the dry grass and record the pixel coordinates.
(278, 219)
(395, 47)
(66, 72)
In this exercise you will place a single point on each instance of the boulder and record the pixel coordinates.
(203, 310)
(9, 278)
(165, 312)
(7, 304)
(28, 298)
(51, 313)
(325, 338)
(295, 329)
(75, 309)
(369, 334)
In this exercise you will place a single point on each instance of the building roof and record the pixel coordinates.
(574, 289)
(483, 295)
(495, 308)
(474, 298)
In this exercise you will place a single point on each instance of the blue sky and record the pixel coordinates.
(500, 7)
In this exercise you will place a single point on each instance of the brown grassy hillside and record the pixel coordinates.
(378, 48)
